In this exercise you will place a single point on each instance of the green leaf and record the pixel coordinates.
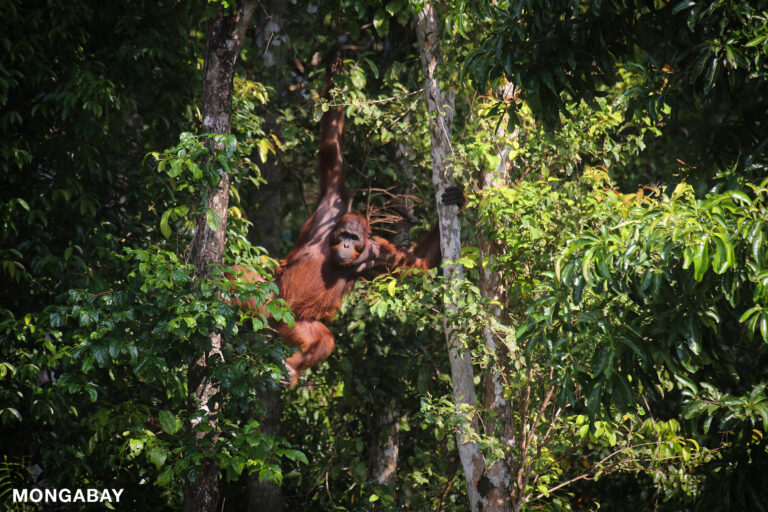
(593, 401)
(175, 168)
(381, 22)
(157, 456)
(757, 246)
(165, 229)
(635, 348)
(168, 422)
(101, 354)
(212, 219)
(756, 41)
(263, 150)
(720, 259)
(586, 266)
(621, 392)
(196, 171)
(748, 313)
(466, 262)
(701, 259)
(394, 6)
(762, 409)
(681, 6)
(165, 477)
(685, 381)
(134, 447)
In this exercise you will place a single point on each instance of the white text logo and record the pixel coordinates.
(67, 496)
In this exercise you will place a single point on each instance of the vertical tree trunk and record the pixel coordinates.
(385, 443)
(498, 498)
(266, 231)
(440, 110)
(225, 33)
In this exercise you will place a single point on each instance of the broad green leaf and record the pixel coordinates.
(381, 22)
(394, 6)
(157, 456)
(196, 171)
(701, 259)
(175, 168)
(212, 219)
(134, 447)
(167, 422)
(165, 476)
(762, 410)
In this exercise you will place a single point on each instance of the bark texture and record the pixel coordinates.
(385, 445)
(500, 488)
(440, 108)
(224, 38)
(225, 33)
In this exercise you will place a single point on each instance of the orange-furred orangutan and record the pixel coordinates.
(334, 248)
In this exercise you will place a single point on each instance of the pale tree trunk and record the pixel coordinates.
(501, 489)
(440, 109)
(385, 444)
(267, 496)
(225, 33)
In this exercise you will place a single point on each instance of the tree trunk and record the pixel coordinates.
(385, 444)
(225, 33)
(498, 498)
(266, 231)
(440, 111)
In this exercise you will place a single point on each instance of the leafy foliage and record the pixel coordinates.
(664, 300)
(630, 347)
(701, 66)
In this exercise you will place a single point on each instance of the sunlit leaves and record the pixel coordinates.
(682, 278)
(708, 46)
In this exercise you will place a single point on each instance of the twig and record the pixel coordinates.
(588, 474)
(380, 100)
(447, 488)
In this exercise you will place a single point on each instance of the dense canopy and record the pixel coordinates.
(599, 342)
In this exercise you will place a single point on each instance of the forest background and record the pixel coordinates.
(613, 303)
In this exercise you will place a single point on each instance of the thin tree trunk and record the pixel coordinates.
(498, 498)
(385, 444)
(440, 110)
(225, 33)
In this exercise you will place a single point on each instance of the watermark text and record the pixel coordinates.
(67, 495)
